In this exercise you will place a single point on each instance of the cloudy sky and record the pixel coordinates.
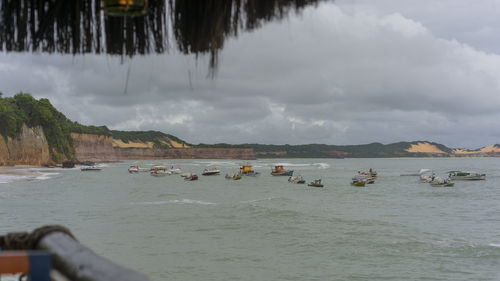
(344, 72)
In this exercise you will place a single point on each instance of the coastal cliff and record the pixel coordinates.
(89, 147)
(30, 147)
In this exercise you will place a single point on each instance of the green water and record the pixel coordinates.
(264, 228)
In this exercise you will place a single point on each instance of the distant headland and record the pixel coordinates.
(35, 133)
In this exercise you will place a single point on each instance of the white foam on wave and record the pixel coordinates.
(181, 201)
(322, 165)
(496, 245)
(257, 200)
(149, 203)
(189, 201)
(46, 176)
(11, 178)
(216, 163)
(319, 165)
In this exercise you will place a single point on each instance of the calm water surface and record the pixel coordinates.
(264, 228)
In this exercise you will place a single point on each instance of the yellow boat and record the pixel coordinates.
(247, 170)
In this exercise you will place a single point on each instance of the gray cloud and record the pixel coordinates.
(345, 74)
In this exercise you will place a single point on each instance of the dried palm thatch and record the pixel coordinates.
(81, 26)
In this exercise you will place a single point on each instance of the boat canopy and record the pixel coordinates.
(246, 168)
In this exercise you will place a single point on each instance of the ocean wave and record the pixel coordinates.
(496, 245)
(181, 201)
(217, 163)
(257, 200)
(11, 178)
(46, 176)
(189, 201)
(318, 165)
(28, 174)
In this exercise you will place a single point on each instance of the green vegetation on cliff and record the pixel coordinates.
(24, 109)
(372, 150)
(159, 139)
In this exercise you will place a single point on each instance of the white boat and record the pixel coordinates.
(175, 170)
(133, 169)
(297, 179)
(90, 168)
(233, 176)
(210, 172)
(470, 176)
(437, 181)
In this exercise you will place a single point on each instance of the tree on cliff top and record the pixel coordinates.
(24, 109)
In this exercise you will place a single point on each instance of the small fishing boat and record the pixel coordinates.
(296, 179)
(437, 181)
(133, 169)
(158, 167)
(469, 176)
(370, 174)
(358, 183)
(90, 168)
(279, 170)
(247, 170)
(175, 170)
(159, 171)
(233, 176)
(359, 180)
(427, 176)
(210, 172)
(192, 177)
(315, 183)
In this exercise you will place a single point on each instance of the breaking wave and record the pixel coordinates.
(181, 201)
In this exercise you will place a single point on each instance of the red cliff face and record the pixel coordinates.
(100, 148)
(29, 148)
(93, 147)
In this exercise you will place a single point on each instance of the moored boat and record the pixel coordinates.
(470, 176)
(279, 170)
(210, 172)
(192, 177)
(315, 183)
(358, 183)
(159, 171)
(247, 170)
(233, 176)
(133, 169)
(437, 181)
(90, 168)
(370, 174)
(175, 170)
(360, 180)
(297, 179)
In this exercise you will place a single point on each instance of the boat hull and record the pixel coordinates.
(211, 173)
(285, 173)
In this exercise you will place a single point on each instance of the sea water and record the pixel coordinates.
(265, 228)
